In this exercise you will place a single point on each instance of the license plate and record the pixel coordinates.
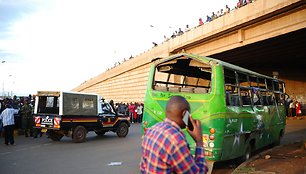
(43, 130)
(47, 121)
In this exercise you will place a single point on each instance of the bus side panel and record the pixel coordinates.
(238, 123)
(149, 110)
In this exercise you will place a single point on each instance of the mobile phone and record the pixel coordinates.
(187, 121)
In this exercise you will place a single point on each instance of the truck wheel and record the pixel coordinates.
(122, 130)
(79, 134)
(56, 136)
(100, 133)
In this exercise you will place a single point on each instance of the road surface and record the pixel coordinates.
(96, 155)
(42, 155)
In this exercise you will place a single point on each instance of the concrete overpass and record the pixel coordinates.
(264, 36)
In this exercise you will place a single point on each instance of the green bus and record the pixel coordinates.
(240, 110)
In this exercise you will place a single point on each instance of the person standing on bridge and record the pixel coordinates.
(164, 147)
(200, 22)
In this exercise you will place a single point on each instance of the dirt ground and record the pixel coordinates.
(289, 158)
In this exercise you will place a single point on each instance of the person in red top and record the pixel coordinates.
(298, 108)
(135, 113)
(200, 22)
(132, 111)
(164, 147)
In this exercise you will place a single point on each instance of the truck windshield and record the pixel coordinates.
(107, 109)
(48, 105)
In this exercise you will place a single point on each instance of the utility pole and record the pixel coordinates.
(2, 62)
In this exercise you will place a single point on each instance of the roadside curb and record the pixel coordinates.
(296, 118)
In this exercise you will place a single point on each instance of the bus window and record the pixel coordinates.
(253, 81)
(279, 98)
(269, 84)
(256, 96)
(267, 98)
(232, 97)
(275, 85)
(245, 96)
(281, 87)
(183, 75)
(243, 80)
(231, 88)
(163, 77)
(261, 83)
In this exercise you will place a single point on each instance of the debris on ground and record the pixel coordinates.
(114, 164)
(291, 158)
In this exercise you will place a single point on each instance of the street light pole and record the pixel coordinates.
(2, 62)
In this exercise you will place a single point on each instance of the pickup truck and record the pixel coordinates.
(73, 114)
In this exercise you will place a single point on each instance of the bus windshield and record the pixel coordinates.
(183, 75)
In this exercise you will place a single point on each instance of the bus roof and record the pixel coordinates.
(208, 59)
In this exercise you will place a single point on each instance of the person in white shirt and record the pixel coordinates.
(139, 112)
(7, 117)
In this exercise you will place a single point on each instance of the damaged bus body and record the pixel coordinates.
(240, 110)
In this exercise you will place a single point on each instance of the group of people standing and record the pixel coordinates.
(294, 108)
(133, 110)
(9, 108)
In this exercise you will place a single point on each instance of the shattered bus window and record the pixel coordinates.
(183, 75)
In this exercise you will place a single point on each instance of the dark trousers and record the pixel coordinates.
(27, 124)
(9, 134)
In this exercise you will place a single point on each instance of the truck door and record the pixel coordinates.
(108, 116)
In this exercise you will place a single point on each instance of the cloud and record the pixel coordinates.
(13, 10)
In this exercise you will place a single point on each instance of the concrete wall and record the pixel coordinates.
(260, 20)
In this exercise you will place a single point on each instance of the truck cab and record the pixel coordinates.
(73, 114)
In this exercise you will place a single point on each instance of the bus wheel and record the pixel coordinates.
(248, 153)
(122, 130)
(79, 134)
(56, 136)
(100, 133)
(278, 140)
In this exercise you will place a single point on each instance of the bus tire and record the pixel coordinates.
(79, 134)
(100, 133)
(55, 136)
(247, 154)
(278, 140)
(122, 130)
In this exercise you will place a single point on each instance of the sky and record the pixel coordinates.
(59, 44)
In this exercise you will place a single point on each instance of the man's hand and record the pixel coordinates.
(196, 133)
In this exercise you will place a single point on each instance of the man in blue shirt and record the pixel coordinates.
(7, 117)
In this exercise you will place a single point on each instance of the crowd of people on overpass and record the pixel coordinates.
(201, 22)
(211, 17)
